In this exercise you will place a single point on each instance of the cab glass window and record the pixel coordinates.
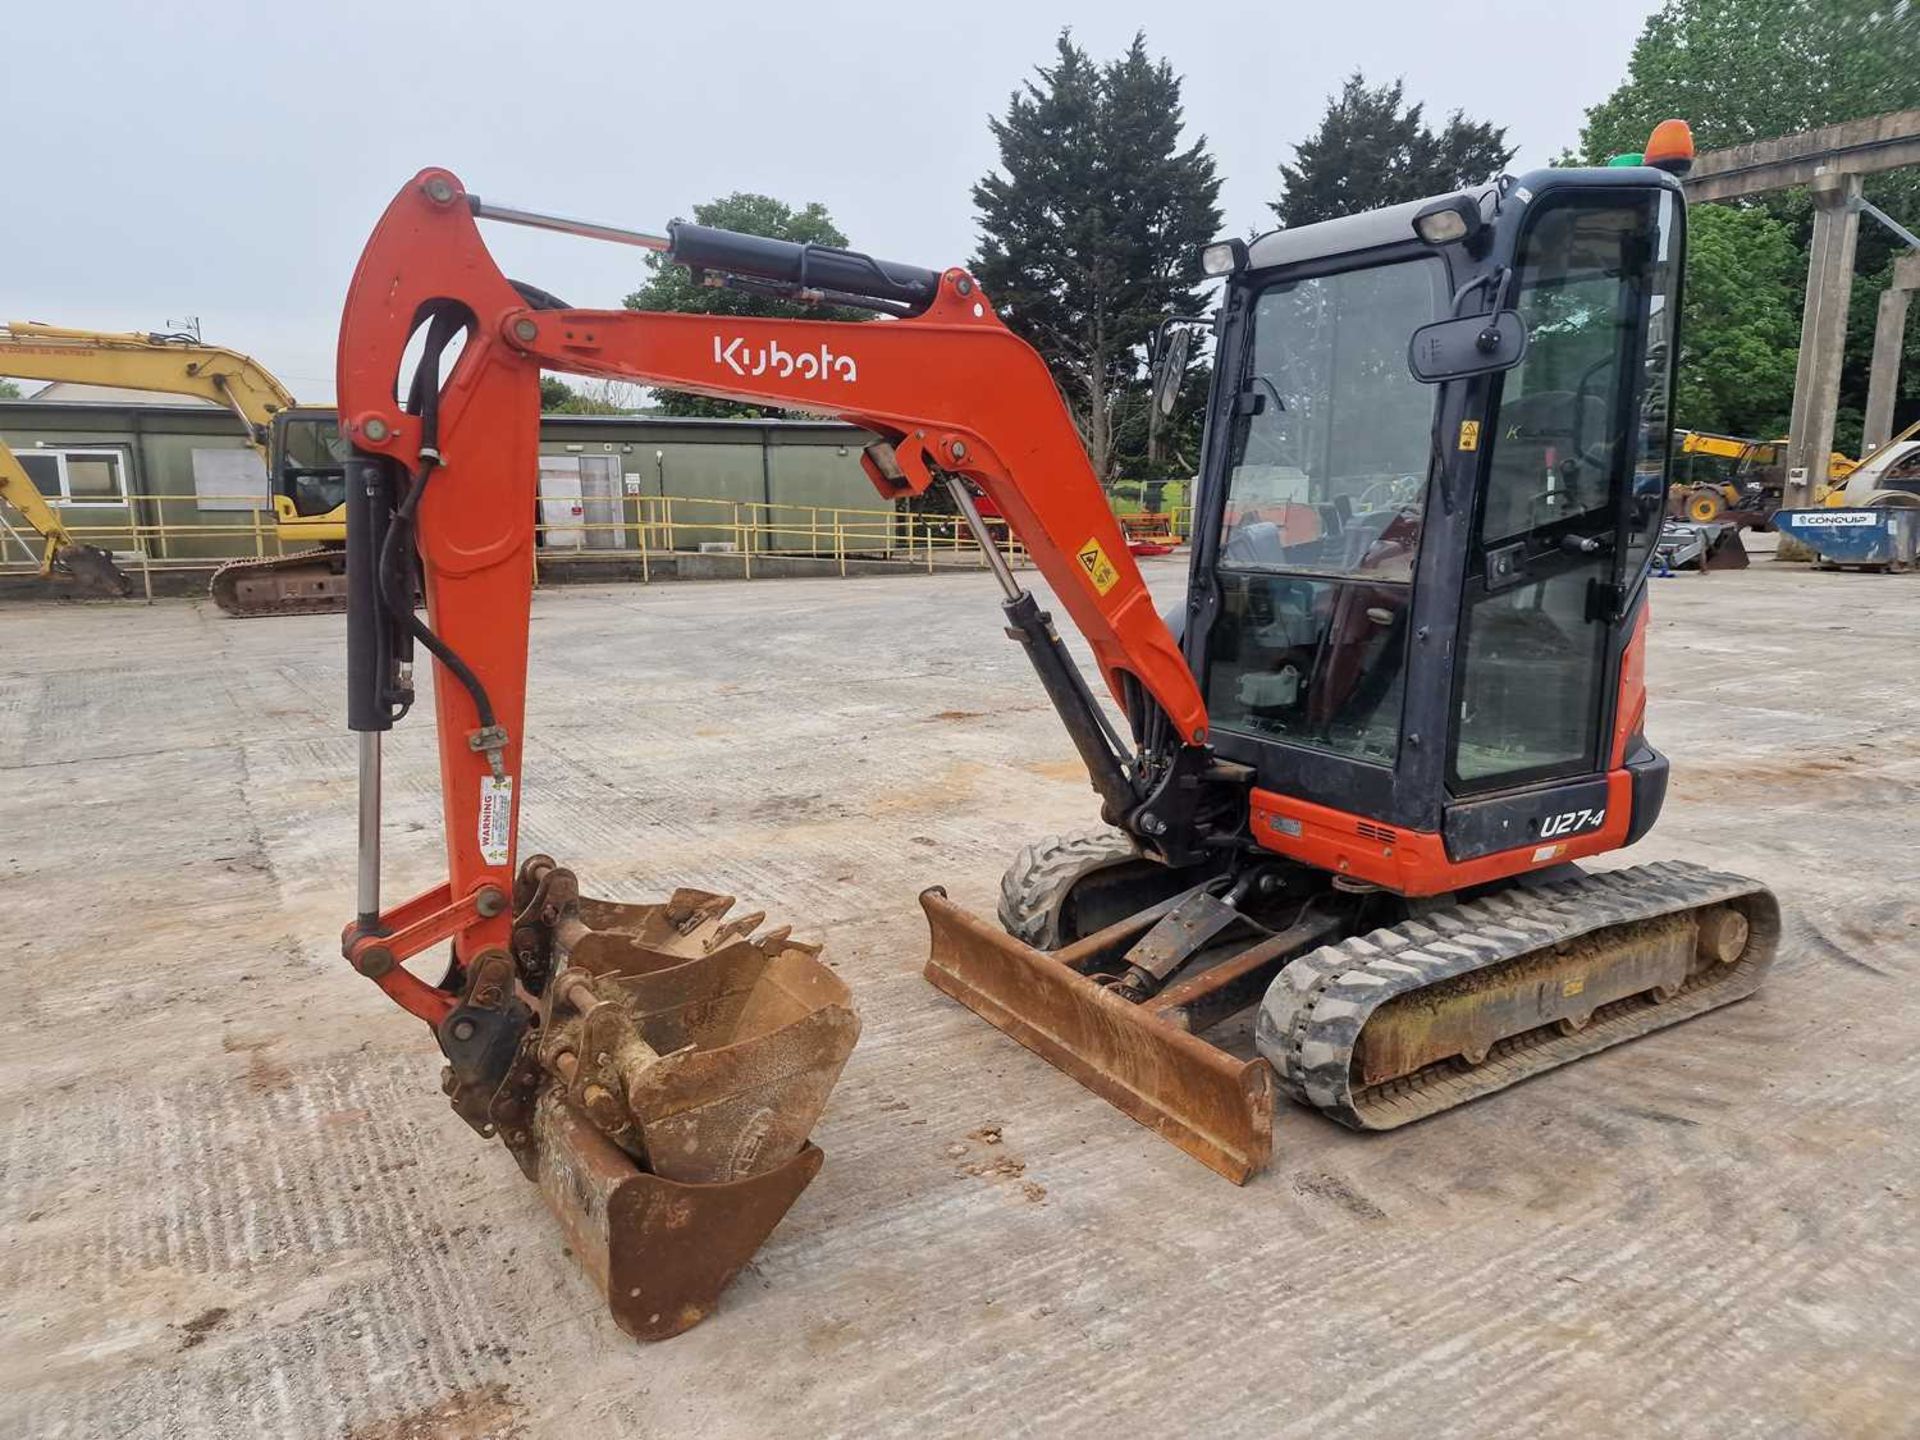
(312, 463)
(1573, 487)
(1557, 437)
(1660, 300)
(1329, 471)
(1323, 514)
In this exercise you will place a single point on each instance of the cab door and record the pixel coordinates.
(1570, 492)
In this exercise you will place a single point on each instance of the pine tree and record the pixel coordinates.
(1373, 149)
(672, 287)
(1092, 225)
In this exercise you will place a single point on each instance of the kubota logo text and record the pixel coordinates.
(743, 359)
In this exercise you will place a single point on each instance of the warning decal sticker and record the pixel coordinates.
(1099, 568)
(496, 818)
(1469, 434)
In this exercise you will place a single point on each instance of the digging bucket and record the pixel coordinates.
(665, 1101)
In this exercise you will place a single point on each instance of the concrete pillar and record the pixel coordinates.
(1889, 335)
(1823, 330)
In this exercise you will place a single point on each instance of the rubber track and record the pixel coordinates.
(1312, 1016)
(1044, 873)
(230, 604)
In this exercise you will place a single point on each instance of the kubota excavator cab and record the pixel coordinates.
(1432, 483)
(1412, 600)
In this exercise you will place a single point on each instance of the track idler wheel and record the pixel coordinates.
(663, 1103)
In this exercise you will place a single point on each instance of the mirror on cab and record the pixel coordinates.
(1469, 345)
(1176, 346)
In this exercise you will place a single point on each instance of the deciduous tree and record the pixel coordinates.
(1743, 70)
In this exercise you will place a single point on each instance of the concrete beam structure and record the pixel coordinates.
(1829, 162)
(1823, 332)
(1889, 339)
(1857, 147)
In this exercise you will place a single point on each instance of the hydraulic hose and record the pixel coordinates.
(423, 400)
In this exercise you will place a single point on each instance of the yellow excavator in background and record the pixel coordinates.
(90, 567)
(297, 446)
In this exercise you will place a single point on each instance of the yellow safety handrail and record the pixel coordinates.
(649, 526)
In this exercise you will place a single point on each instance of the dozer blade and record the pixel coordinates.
(664, 1102)
(1217, 1108)
(1383, 1029)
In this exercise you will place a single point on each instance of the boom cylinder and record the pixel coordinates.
(786, 262)
(1033, 628)
(369, 642)
(369, 661)
(1092, 733)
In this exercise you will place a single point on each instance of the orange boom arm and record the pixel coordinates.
(948, 388)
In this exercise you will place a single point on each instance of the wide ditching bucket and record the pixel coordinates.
(664, 1103)
(1144, 1059)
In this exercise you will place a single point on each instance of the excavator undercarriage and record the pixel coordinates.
(306, 582)
(1370, 1010)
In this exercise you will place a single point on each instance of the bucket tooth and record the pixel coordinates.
(1217, 1108)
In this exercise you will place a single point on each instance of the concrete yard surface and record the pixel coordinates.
(233, 1201)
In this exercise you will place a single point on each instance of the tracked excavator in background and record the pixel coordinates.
(1402, 696)
(91, 568)
(306, 476)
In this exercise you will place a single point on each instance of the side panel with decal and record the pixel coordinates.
(1100, 570)
(1542, 815)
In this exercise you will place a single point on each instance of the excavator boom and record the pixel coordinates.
(449, 474)
(164, 364)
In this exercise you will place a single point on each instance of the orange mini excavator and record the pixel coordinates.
(1402, 695)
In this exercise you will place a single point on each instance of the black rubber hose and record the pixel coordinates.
(423, 400)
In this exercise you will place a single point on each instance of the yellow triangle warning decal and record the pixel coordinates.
(1100, 570)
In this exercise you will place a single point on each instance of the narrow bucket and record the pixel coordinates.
(661, 1251)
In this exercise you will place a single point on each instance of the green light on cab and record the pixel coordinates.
(1632, 157)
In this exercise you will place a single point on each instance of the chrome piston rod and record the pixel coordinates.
(368, 890)
(1003, 572)
(565, 225)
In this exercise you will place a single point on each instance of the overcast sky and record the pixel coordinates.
(227, 160)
